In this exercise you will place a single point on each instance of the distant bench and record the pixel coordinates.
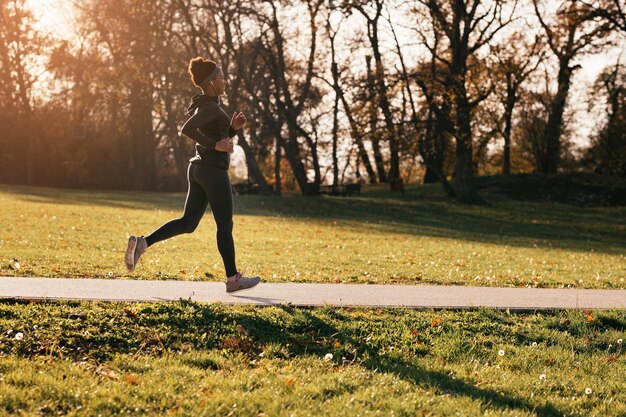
(245, 188)
(341, 189)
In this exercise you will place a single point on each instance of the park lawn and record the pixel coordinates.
(186, 358)
(424, 238)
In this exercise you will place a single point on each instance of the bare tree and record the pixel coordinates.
(438, 124)
(372, 12)
(290, 98)
(613, 11)
(607, 154)
(20, 45)
(517, 59)
(467, 26)
(375, 136)
(574, 32)
(357, 137)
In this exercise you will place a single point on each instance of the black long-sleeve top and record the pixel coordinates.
(208, 124)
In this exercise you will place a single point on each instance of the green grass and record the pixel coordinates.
(183, 358)
(192, 359)
(424, 238)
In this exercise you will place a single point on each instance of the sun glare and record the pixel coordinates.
(53, 16)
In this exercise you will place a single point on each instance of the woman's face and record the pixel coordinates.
(219, 84)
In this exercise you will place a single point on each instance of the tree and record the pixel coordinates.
(340, 96)
(574, 32)
(613, 11)
(291, 96)
(467, 26)
(20, 46)
(517, 59)
(129, 35)
(438, 124)
(607, 154)
(431, 142)
(372, 11)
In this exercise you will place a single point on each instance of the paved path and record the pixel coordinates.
(413, 296)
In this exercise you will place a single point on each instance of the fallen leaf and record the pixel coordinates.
(110, 374)
(290, 382)
(612, 358)
(435, 322)
(131, 314)
(415, 332)
(131, 379)
(230, 343)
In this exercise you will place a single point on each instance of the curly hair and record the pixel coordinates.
(200, 68)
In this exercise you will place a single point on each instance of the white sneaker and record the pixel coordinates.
(239, 282)
(137, 245)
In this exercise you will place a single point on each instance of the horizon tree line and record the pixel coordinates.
(349, 90)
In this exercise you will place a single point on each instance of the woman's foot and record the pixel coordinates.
(137, 245)
(238, 282)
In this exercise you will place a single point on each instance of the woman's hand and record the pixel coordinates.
(225, 145)
(238, 120)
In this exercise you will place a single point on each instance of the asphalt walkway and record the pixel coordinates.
(411, 296)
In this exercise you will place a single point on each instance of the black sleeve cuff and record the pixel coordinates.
(231, 132)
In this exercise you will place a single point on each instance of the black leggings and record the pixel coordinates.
(207, 185)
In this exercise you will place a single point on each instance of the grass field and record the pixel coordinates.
(182, 358)
(376, 238)
(192, 359)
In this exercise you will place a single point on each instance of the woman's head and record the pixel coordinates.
(207, 75)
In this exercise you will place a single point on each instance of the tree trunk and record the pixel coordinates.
(254, 171)
(179, 147)
(317, 172)
(434, 157)
(140, 120)
(508, 116)
(277, 180)
(292, 153)
(552, 135)
(182, 163)
(357, 137)
(375, 138)
(335, 125)
(464, 180)
(433, 141)
(394, 169)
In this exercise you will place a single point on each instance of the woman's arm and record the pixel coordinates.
(199, 119)
(238, 120)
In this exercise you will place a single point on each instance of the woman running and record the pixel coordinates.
(207, 174)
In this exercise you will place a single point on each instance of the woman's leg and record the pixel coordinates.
(216, 184)
(195, 206)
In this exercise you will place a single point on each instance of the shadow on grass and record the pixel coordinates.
(416, 374)
(157, 329)
(423, 212)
